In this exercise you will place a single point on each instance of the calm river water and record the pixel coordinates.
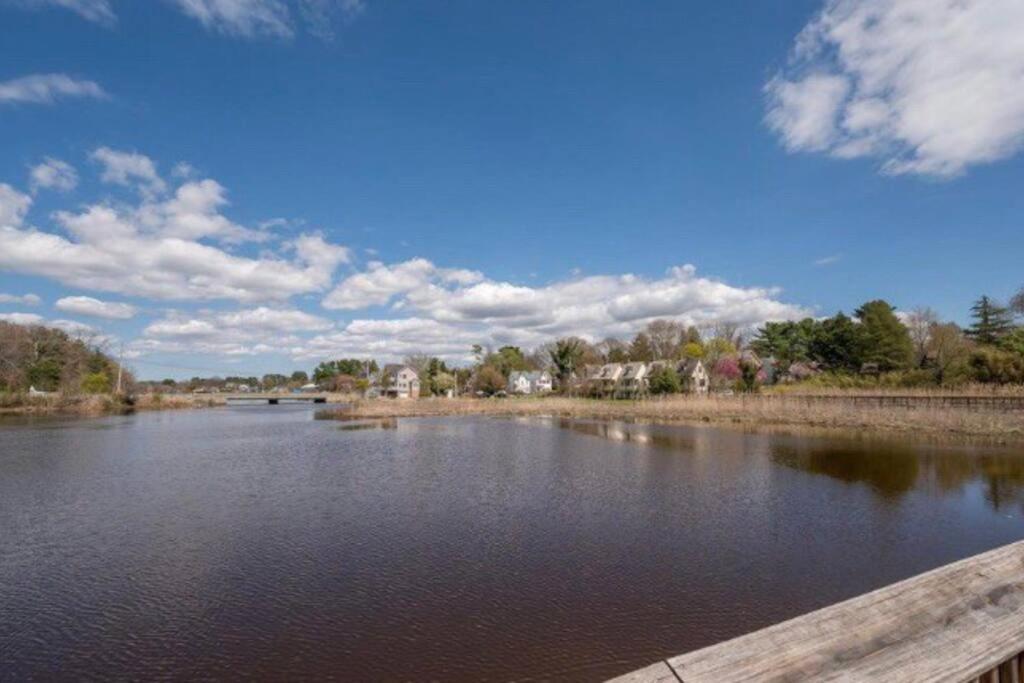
(258, 542)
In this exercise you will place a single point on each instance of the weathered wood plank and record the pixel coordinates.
(950, 624)
(956, 623)
(655, 673)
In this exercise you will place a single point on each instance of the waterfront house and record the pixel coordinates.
(400, 381)
(607, 378)
(633, 381)
(693, 376)
(529, 382)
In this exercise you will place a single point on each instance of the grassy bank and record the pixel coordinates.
(754, 411)
(93, 405)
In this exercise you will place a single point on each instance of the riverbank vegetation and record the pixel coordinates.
(835, 412)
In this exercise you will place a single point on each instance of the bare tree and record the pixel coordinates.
(1017, 302)
(920, 322)
(665, 337)
(613, 350)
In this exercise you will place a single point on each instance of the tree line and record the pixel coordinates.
(49, 359)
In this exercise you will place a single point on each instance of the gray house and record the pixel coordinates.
(399, 381)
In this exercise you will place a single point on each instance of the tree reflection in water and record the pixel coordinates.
(889, 467)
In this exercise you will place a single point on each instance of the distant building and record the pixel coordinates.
(400, 381)
(693, 376)
(607, 378)
(309, 388)
(529, 382)
(633, 381)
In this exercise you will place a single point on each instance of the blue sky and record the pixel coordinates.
(254, 185)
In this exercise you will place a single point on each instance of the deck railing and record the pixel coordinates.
(958, 623)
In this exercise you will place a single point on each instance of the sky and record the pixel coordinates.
(251, 186)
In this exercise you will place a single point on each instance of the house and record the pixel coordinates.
(529, 382)
(518, 383)
(309, 388)
(400, 381)
(607, 378)
(633, 381)
(693, 376)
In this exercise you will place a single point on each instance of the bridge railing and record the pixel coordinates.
(958, 623)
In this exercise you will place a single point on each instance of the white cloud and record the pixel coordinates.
(380, 283)
(241, 17)
(27, 299)
(129, 169)
(232, 333)
(22, 318)
(927, 86)
(272, 18)
(162, 249)
(46, 89)
(86, 305)
(53, 173)
(827, 260)
(445, 311)
(13, 205)
(98, 11)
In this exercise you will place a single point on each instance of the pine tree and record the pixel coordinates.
(991, 321)
(887, 341)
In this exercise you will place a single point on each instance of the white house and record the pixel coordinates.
(694, 376)
(529, 382)
(607, 378)
(400, 381)
(633, 381)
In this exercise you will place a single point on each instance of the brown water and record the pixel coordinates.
(257, 542)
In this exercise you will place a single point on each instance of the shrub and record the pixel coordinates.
(664, 381)
(96, 383)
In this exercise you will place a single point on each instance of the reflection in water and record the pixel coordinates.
(891, 472)
(891, 468)
(384, 423)
(258, 543)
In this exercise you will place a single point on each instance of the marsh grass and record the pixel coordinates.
(781, 410)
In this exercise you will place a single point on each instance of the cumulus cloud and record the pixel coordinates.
(53, 174)
(230, 333)
(14, 205)
(129, 169)
(22, 318)
(26, 299)
(161, 249)
(98, 11)
(447, 310)
(928, 87)
(47, 89)
(379, 283)
(86, 305)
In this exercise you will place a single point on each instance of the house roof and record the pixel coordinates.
(395, 368)
(688, 366)
(610, 371)
(633, 370)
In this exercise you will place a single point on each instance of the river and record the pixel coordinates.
(259, 542)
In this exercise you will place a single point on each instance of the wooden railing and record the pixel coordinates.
(958, 623)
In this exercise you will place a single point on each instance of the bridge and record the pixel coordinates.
(960, 623)
(274, 399)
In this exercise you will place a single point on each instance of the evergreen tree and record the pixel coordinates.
(991, 321)
(664, 381)
(641, 350)
(838, 344)
(887, 341)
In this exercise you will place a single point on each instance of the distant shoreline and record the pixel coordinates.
(997, 417)
(916, 416)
